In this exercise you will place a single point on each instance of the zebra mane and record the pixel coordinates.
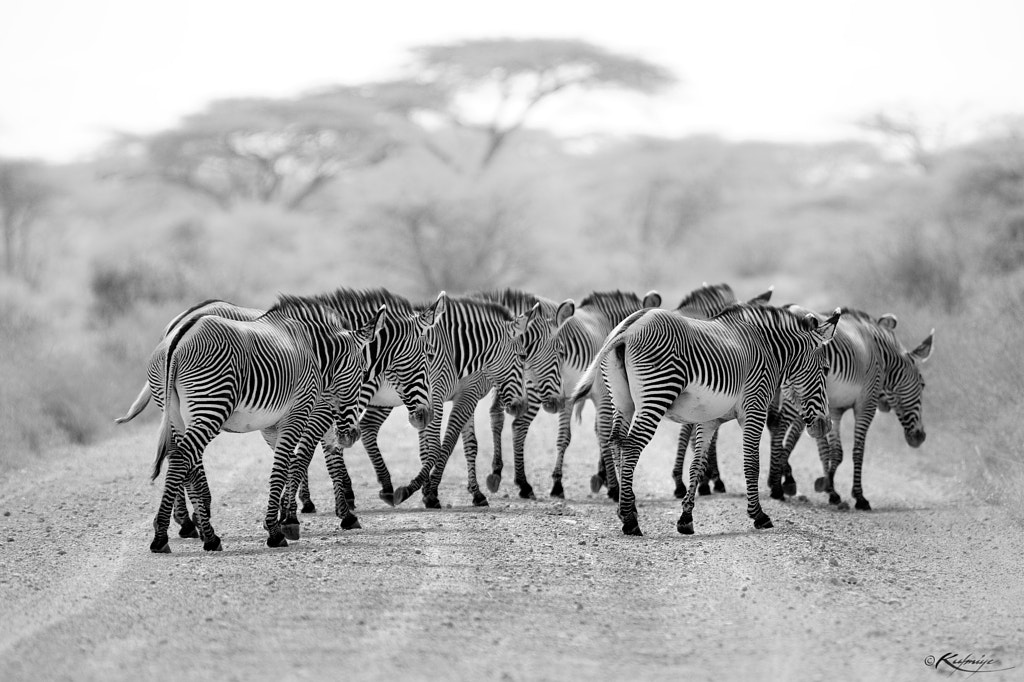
(717, 293)
(612, 301)
(747, 311)
(518, 301)
(343, 299)
(471, 302)
(308, 308)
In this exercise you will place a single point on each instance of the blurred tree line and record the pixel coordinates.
(438, 181)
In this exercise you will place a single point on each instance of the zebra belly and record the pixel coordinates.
(700, 404)
(386, 396)
(245, 419)
(843, 394)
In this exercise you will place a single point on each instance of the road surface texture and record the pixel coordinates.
(523, 590)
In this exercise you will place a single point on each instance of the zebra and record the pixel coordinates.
(400, 375)
(266, 375)
(658, 363)
(869, 367)
(704, 303)
(578, 339)
(474, 338)
(544, 389)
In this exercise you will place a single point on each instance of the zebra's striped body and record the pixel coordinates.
(702, 304)
(867, 361)
(659, 364)
(544, 389)
(474, 338)
(579, 338)
(266, 374)
(399, 376)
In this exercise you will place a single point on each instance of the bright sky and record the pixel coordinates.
(71, 71)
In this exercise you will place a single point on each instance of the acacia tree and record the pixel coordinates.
(513, 77)
(24, 195)
(271, 150)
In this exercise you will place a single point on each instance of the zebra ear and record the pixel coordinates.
(431, 316)
(564, 312)
(888, 321)
(924, 351)
(828, 327)
(369, 331)
(763, 297)
(652, 299)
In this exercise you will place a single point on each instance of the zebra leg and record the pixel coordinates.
(685, 432)
(430, 446)
(181, 517)
(287, 437)
(711, 470)
(862, 421)
(792, 437)
(469, 447)
(644, 424)
(497, 415)
(753, 425)
(199, 491)
(335, 458)
(520, 427)
(778, 457)
(173, 481)
(701, 442)
(369, 427)
(608, 425)
(561, 445)
(830, 452)
(462, 412)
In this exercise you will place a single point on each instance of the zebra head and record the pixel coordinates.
(405, 342)
(543, 361)
(902, 384)
(353, 365)
(808, 370)
(506, 364)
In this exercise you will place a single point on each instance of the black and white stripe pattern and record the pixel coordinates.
(658, 363)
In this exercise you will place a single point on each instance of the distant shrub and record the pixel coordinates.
(118, 286)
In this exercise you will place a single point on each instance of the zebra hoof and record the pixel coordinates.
(843, 506)
(819, 484)
(277, 540)
(480, 500)
(631, 525)
(493, 482)
(557, 490)
(777, 493)
(188, 529)
(613, 493)
(160, 544)
(349, 522)
(431, 502)
(400, 495)
(704, 489)
(290, 529)
(213, 545)
(863, 504)
(388, 496)
(680, 491)
(762, 521)
(685, 523)
(308, 507)
(596, 483)
(789, 486)
(719, 486)
(526, 492)
(834, 498)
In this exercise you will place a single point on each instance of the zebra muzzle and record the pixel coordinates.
(420, 417)
(554, 405)
(819, 426)
(915, 437)
(516, 408)
(348, 437)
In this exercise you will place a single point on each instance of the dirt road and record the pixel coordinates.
(522, 590)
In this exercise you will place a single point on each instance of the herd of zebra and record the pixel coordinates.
(330, 368)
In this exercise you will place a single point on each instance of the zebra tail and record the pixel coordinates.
(137, 407)
(586, 382)
(172, 402)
